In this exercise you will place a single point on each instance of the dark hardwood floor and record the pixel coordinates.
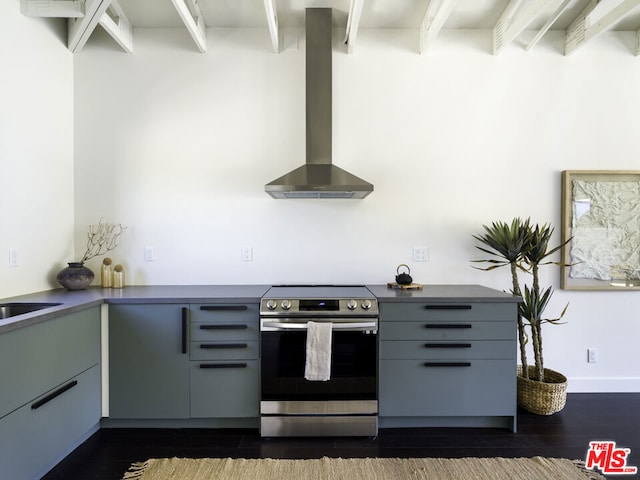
(586, 417)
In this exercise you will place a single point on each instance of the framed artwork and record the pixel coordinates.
(601, 215)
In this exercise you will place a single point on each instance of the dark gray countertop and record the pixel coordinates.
(186, 294)
(72, 301)
(442, 294)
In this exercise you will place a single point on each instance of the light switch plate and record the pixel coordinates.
(247, 254)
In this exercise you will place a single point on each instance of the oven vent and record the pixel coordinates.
(318, 177)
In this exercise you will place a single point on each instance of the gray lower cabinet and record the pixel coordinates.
(225, 381)
(148, 361)
(448, 364)
(54, 401)
(182, 361)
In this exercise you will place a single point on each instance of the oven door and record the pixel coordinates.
(353, 361)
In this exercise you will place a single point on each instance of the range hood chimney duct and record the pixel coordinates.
(318, 177)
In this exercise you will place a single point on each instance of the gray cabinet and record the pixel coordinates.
(179, 361)
(447, 364)
(148, 361)
(224, 354)
(54, 399)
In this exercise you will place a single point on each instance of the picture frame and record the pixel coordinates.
(601, 225)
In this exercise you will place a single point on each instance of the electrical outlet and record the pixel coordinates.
(592, 355)
(14, 260)
(420, 254)
(149, 254)
(247, 254)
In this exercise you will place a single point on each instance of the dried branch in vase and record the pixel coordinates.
(102, 238)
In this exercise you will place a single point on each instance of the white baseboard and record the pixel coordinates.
(604, 385)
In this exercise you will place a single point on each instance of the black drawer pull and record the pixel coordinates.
(224, 308)
(447, 345)
(447, 364)
(185, 327)
(53, 395)
(223, 345)
(447, 307)
(223, 365)
(447, 325)
(231, 326)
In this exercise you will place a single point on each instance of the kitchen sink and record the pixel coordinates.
(8, 310)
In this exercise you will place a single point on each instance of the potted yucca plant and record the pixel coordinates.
(524, 248)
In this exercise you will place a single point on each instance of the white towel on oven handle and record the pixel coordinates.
(318, 363)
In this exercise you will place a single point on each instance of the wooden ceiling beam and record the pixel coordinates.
(581, 31)
(353, 24)
(272, 23)
(515, 18)
(80, 29)
(193, 21)
(436, 14)
(116, 23)
(52, 8)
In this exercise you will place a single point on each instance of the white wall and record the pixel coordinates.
(178, 146)
(36, 150)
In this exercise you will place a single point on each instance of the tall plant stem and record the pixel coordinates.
(536, 330)
(521, 334)
(539, 357)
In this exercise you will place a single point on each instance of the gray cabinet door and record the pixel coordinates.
(148, 362)
(419, 388)
(40, 357)
(33, 437)
(225, 389)
(50, 391)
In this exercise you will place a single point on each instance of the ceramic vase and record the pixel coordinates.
(75, 277)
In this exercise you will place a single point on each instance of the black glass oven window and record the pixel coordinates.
(353, 367)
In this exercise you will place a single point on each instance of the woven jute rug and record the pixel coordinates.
(536, 468)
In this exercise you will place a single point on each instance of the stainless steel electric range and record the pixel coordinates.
(344, 404)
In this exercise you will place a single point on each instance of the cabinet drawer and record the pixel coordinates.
(248, 350)
(224, 312)
(214, 331)
(225, 389)
(449, 312)
(437, 350)
(31, 439)
(39, 357)
(477, 387)
(435, 330)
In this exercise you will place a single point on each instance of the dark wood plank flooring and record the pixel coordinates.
(586, 417)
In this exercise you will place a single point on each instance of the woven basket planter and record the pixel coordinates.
(542, 398)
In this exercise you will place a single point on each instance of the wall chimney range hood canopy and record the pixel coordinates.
(318, 177)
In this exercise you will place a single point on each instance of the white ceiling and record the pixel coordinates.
(581, 20)
(467, 14)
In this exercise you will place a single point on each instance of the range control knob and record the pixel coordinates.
(366, 304)
(286, 304)
(272, 304)
(352, 304)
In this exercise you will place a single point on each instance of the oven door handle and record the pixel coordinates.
(335, 326)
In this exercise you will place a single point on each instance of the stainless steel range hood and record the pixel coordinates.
(318, 177)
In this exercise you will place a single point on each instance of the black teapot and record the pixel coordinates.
(403, 278)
